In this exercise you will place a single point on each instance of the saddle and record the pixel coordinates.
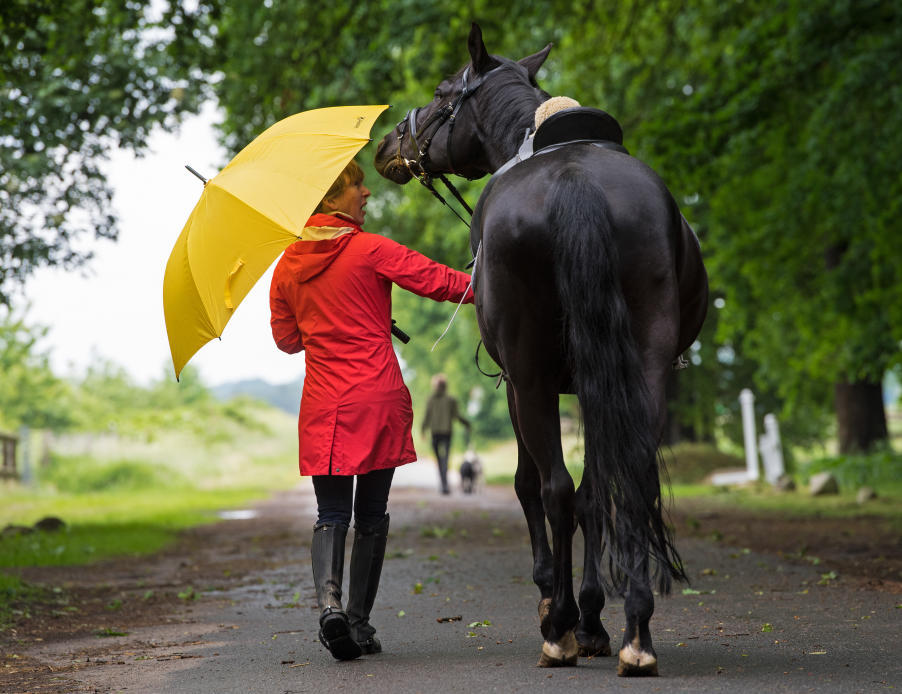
(570, 126)
(580, 123)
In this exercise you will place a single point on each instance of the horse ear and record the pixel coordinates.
(533, 62)
(482, 61)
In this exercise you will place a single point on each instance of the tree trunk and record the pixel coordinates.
(676, 429)
(861, 416)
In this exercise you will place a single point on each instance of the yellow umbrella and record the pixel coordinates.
(251, 212)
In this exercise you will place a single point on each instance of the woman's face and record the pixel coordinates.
(351, 201)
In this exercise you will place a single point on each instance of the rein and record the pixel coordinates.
(447, 114)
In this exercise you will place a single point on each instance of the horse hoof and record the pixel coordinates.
(593, 645)
(636, 663)
(563, 654)
(544, 611)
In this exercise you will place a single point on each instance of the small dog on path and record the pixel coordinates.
(470, 472)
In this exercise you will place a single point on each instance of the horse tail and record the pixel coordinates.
(621, 459)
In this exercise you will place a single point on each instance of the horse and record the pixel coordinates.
(588, 280)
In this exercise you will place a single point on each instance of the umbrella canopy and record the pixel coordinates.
(249, 213)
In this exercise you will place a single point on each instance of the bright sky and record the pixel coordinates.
(115, 308)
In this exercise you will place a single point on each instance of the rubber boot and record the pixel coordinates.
(328, 554)
(367, 556)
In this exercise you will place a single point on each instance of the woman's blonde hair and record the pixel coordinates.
(351, 176)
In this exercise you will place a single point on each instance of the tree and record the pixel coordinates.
(744, 108)
(788, 115)
(30, 395)
(79, 77)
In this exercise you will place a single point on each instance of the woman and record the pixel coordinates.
(331, 296)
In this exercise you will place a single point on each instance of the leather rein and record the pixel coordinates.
(418, 167)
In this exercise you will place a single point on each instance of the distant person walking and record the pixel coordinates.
(441, 411)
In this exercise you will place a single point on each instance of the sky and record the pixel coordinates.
(113, 308)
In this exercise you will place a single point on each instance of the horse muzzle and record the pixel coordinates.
(390, 162)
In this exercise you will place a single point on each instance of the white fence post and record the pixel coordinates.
(771, 450)
(747, 402)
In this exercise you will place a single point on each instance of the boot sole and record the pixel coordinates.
(335, 635)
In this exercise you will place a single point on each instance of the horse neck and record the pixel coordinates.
(506, 117)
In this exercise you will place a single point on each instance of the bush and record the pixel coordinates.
(691, 463)
(880, 469)
(81, 474)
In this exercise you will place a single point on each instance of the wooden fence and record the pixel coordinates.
(8, 442)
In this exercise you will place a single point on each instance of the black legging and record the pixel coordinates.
(335, 497)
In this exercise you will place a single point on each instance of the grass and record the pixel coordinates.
(105, 524)
(762, 498)
(15, 597)
(132, 495)
(688, 465)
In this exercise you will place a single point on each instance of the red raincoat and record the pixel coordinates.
(332, 298)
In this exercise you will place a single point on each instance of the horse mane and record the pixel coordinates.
(513, 103)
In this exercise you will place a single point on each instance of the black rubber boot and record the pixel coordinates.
(328, 554)
(367, 556)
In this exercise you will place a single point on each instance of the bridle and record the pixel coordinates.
(418, 167)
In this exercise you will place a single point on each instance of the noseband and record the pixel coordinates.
(448, 113)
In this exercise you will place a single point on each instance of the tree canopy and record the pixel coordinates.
(776, 125)
(77, 78)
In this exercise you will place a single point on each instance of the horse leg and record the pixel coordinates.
(538, 420)
(637, 657)
(528, 487)
(591, 636)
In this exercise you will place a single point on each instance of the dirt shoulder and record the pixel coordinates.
(92, 605)
(864, 548)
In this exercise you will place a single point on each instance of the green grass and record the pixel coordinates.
(131, 495)
(762, 498)
(103, 525)
(15, 597)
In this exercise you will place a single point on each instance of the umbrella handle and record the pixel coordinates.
(400, 334)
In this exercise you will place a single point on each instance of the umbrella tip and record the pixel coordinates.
(196, 174)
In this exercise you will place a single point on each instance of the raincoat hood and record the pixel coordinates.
(304, 259)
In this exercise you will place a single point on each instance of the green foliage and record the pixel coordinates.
(79, 79)
(775, 125)
(106, 399)
(30, 394)
(881, 470)
(82, 474)
(766, 125)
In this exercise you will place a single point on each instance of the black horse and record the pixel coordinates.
(587, 280)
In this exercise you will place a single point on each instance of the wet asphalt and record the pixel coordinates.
(456, 612)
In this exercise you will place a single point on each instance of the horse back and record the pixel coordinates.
(659, 260)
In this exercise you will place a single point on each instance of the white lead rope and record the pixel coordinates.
(469, 288)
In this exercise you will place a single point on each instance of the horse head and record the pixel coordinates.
(473, 124)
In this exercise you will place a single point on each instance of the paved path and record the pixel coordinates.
(756, 624)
